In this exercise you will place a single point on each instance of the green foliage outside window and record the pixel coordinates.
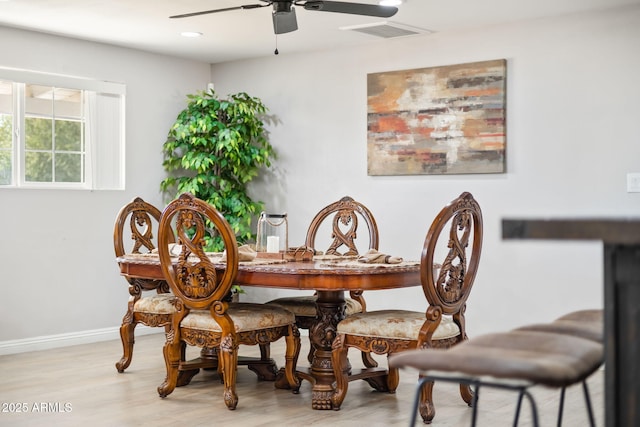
(42, 159)
(213, 150)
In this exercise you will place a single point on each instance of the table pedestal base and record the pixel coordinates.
(330, 306)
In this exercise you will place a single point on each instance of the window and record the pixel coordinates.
(6, 132)
(60, 132)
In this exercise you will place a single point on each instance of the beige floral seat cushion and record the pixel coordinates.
(156, 304)
(305, 306)
(245, 316)
(395, 324)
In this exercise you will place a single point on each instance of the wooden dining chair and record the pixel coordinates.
(344, 229)
(150, 301)
(204, 317)
(441, 325)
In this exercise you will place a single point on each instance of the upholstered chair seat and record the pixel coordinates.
(305, 306)
(395, 324)
(245, 317)
(155, 304)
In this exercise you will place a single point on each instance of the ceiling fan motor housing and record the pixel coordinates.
(284, 18)
(282, 6)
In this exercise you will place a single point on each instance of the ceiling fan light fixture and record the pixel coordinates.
(390, 2)
(190, 34)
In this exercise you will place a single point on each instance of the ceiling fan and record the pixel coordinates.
(284, 15)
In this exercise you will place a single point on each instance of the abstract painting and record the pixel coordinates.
(439, 120)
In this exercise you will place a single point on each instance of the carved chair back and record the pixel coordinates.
(448, 286)
(140, 219)
(193, 277)
(344, 226)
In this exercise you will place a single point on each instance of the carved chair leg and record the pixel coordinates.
(466, 392)
(339, 361)
(393, 379)
(426, 408)
(368, 360)
(291, 358)
(128, 339)
(219, 368)
(265, 351)
(228, 364)
(172, 356)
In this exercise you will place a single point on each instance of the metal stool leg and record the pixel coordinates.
(518, 407)
(474, 413)
(534, 408)
(522, 392)
(561, 406)
(416, 400)
(587, 401)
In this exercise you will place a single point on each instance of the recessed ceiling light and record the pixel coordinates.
(190, 34)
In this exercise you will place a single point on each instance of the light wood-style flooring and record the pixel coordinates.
(79, 386)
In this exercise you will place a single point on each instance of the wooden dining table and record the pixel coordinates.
(328, 278)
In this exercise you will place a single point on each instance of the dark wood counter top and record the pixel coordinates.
(608, 230)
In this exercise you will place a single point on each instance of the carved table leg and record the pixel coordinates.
(331, 310)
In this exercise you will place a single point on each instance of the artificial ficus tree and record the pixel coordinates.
(213, 150)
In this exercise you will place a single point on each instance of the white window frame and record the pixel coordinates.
(104, 113)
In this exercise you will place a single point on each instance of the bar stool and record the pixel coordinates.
(514, 360)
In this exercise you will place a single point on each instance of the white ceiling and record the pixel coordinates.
(144, 24)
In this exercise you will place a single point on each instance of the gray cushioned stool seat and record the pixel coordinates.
(594, 316)
(588, 324)
(534, 357)
(512, 360)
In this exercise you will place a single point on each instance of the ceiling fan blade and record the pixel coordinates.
(352, 8)
(205, 12)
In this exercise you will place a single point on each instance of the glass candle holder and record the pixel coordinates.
(273, 233)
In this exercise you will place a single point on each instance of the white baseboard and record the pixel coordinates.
(48, 342)
(72, 338)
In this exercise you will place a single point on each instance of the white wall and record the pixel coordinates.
(572, 117)
(58, 274)
(572, 102)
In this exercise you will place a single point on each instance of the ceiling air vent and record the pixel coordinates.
(386, 29)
